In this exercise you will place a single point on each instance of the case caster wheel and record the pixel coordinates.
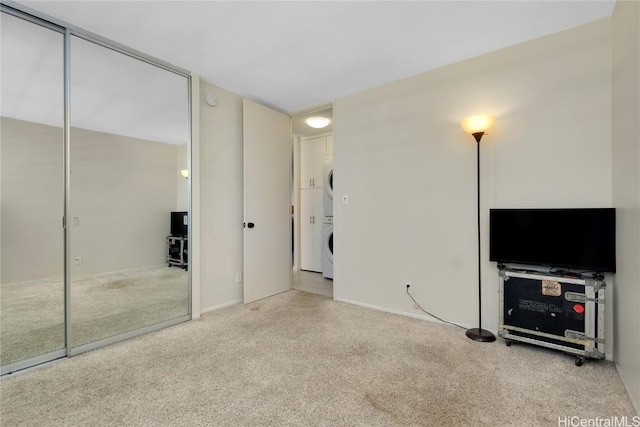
(579, 361)
(508, 343)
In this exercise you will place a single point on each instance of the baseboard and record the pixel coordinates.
(636, 405)
(87, 276)
(404, 313)
(128, 270)
(219, 306)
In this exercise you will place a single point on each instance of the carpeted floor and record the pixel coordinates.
(299, 359)
(104, 305)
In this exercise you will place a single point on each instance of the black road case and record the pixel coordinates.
(562, 313)
(177, 252)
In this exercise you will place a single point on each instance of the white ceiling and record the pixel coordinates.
(292, 55)
(110, 92)
(287, 55)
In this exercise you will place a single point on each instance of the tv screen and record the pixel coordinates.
(565, 238)
(179, 221)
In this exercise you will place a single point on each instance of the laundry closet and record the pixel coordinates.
(314, 257)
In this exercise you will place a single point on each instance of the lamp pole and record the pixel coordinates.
(479, 334)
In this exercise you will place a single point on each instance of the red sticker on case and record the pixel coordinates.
(578, 308)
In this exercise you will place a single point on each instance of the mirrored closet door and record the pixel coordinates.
(129, 130)
(32, 293)
(94, 192)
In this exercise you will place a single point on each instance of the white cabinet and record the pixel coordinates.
(311, 215)
(313, 151)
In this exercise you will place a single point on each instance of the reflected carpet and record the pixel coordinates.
(32, 313)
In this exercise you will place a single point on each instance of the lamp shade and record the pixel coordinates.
(481, 123)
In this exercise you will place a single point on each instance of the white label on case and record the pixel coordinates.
(551, 288)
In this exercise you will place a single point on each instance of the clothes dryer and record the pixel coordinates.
(327, 247)
(328, 187)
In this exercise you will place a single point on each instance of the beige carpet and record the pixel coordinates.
(299, 359)
(104, 305)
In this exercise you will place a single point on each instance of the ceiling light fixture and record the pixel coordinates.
(318, 122)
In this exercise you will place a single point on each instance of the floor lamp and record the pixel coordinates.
(478, 127)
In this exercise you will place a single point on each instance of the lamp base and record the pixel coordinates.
(481, 335)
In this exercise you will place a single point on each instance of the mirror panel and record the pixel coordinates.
(129, 132)
(32, 297)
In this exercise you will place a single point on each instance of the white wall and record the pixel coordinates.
(410, 171)
(123, 189)
(626, 191)
(121, 227)
(182, 186)
(220, 197)
(32, 198)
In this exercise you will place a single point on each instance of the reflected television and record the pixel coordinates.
(179, 224)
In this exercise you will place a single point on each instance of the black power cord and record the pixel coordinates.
(430, 314)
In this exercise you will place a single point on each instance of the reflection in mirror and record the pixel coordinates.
(129, 132)
(32, 191)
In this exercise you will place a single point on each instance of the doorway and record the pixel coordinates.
(312, 202)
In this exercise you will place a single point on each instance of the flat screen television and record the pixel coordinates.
(581, 239)
(179, 223)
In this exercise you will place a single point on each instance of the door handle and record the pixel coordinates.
(250, 225)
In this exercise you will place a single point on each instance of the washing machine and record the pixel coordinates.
(328, 187)
(327, 247)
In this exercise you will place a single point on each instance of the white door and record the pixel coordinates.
(318, 216)
(267, 202)
(312, 152)
(306, 230)
(311, 215)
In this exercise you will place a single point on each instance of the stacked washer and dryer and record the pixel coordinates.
(327, 223)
